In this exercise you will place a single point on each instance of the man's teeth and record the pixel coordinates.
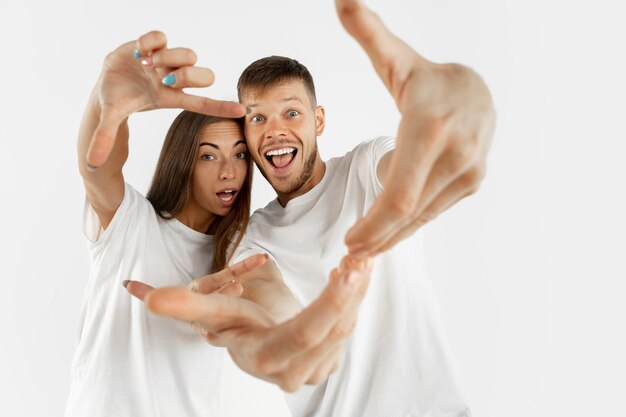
(281, 151)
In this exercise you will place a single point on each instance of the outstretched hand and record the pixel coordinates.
(444, 135)
(144, 75)
(302, 350)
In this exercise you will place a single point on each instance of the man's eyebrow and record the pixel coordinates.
(239, 142)
(250, 106)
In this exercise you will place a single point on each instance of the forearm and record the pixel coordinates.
(104, 186)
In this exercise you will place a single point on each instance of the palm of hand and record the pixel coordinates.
(128, 87)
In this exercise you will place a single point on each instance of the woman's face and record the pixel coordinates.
(220, 168)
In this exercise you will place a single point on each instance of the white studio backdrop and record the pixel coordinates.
(529, 272)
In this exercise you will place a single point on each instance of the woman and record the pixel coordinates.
(129, 362)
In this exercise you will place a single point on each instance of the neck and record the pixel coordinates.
(319, 169)
(196, 218)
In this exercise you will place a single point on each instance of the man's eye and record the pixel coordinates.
(293, 113)
(256, 119)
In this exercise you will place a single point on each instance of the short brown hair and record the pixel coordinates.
(172, 183)
(272, 70)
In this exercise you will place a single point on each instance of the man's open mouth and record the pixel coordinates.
(280, 158)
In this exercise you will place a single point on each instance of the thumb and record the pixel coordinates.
(104, 136)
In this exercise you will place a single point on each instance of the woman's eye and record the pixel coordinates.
(293, 113)
(207, 157)
(241, 155)
(256, 119)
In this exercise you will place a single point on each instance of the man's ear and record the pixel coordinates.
(320, 120)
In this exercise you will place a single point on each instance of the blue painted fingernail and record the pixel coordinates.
(169, 79)
(136, 54)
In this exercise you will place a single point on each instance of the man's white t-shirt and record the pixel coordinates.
(397, 363)
(130, 362)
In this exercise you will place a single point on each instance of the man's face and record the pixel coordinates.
(281, 130)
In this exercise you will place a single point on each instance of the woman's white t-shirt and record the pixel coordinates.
(130, 362)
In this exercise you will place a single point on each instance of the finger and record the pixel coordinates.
(149, 42)
(302, 367)
(313, 324)
(234, 272)
(213, 311)
(232, 289)
(329, 364)
(448, 168)
(138, 289)
(312, 366)
(211, 107)
(104, 135)
(171, 58)
(419, 145)
(384, 49)
(189, 77)
(464, 186)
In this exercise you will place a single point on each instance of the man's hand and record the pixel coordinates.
(444, 135)
(302, 350)
(144, 75)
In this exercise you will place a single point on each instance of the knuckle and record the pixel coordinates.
(472, 179)
(290, 383)
(342, 330)
(202, 106)
(191, 56)
(303, 339)
(425, 216)
(263, 363)
(156, 36)
(402, 205)
(317, 377)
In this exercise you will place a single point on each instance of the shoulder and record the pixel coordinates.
(134, 208)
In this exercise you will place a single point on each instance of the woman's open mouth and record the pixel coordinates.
(227, 197)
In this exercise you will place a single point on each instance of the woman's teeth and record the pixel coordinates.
(226, 196)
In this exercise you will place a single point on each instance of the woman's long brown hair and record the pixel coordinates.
(171, 186)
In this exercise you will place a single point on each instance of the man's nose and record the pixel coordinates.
(275, 128)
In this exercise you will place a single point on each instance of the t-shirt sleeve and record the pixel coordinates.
(368, 154)
(128, 209)
(246, 249)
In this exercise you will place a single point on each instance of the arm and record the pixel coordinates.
(303, 349)
(127, 85)
(105, 186)
(444, 135)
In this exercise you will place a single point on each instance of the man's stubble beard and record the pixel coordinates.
(304, 177)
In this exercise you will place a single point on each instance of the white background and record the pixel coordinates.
(529, 272)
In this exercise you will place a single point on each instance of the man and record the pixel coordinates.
(396, 360)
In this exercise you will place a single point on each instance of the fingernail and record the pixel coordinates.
(136, 54)
(146, 61)
(351, 279)
(125, 283)
(169, 79)
(91, 168)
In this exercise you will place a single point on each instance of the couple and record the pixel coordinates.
(394, 359)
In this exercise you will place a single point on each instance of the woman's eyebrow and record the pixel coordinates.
(239, 142)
